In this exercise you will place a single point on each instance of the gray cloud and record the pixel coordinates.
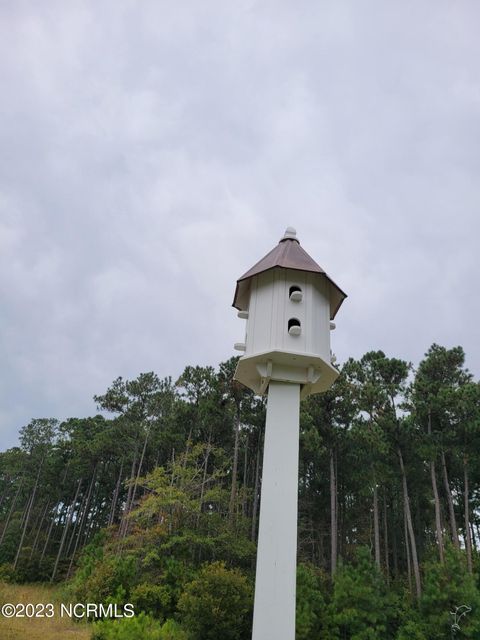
(151, 153)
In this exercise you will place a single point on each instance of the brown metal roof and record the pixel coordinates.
(288, 254)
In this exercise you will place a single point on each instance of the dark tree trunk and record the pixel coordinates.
(5, 493)
(126, 511)
(395, 550)
(86, 509)
(204, 477)
(78, 518)
(333, 515)
(65, 530)
(39, 528)
(26, 509)
(438, 519)
(407, 550)
(468, 540)
(92, 524)
(385, 538)
(202, 488)
(245, 479)
(135, 484)
(111, 517)
(233, 491)
(10, 512)
(47, 539)
(451, 510)
(408, 515)
(140, 466)
(27, 516)
(376, 525)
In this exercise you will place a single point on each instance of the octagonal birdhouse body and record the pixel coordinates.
(288, 302)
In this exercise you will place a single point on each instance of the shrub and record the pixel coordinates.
(6, 572)
(97, 581)
(359, 605)
(310, 603)
(31, 570)
(217, 604)
(411, 630)
(445, 588)
(171, 630)
(153, 599)
(139, 627)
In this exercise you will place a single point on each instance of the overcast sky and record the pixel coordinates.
(151, 152)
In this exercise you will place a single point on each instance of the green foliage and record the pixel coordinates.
(187, 510)
(6, 572)
(217, 604)
(31, 570)
(358, 607)
(37, 437)
(176, 574)
(153, 599)
(412, 629)
(172, 630)
(447, 587)
(92, 556)
(310, 603)
(109, 576)
(172, 483)
(10, 542)
(140, 626)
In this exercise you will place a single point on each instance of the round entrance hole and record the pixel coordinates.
(295, 293)
(294, 328)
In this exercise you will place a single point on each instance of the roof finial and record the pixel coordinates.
(290, 234)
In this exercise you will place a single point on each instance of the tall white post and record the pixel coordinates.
(274, 610)
(288, 302)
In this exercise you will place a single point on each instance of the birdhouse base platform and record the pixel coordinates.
(309, 370)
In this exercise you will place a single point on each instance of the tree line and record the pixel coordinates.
(169, 474)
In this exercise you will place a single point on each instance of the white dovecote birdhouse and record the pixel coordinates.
(288, 302)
